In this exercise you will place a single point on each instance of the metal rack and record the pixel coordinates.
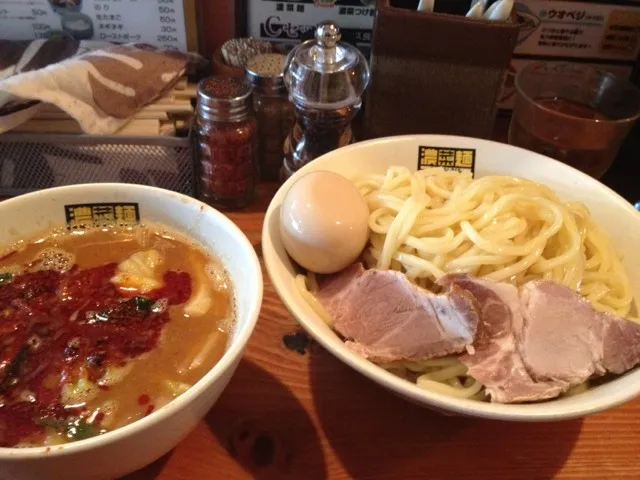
(31, 162)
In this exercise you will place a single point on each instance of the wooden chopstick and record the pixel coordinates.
(132, 128)
(169, 113)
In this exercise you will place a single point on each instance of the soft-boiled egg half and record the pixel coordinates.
(324, 222)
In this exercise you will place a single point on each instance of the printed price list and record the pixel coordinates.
(158, 22)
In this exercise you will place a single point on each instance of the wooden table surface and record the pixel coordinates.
(305, 415)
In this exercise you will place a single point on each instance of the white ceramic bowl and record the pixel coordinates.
(132, 447)
(612, 212)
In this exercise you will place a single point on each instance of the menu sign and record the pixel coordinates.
(606, 36)
(157, 22)
(578, 30)
(288, 22)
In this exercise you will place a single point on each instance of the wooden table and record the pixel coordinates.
(305, 415)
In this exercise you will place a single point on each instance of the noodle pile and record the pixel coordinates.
(433, 222)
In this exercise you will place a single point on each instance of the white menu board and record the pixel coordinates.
(578, 29)
(157, 22)
(290, 21)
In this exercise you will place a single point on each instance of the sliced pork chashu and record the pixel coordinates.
(386, 318)
(536, 343)
(495, 361)
(565, 339)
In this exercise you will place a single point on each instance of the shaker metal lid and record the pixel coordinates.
(223, 91)
(325, 72)
(266, 70)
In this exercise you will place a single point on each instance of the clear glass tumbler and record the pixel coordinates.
(574, 113)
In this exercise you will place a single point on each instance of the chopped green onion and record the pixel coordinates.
(13, 371)
(143, 304)
(73, 429)
(5, 278)
(49, 423)
(79, 430)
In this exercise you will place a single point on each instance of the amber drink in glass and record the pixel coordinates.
(574, 113)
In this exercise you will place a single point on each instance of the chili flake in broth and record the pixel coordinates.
(53, 327)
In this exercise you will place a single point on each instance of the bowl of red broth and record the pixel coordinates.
(464, 275)
(124, 311)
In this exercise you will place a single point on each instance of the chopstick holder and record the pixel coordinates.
(435, 73)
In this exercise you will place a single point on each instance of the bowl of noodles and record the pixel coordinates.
(457, 226)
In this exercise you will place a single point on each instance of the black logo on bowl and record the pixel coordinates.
(458, 159)
(85, 215)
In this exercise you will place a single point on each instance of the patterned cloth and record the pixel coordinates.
(100, 88)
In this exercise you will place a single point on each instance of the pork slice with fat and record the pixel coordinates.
(621, 344)
(495, 361)
(386, 318)
(564, 338)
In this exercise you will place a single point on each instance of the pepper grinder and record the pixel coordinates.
(325, 79)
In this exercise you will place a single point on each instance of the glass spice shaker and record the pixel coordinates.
(326, 79)
(274, 112)
(226, 136)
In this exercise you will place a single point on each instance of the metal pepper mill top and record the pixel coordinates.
(325, 79)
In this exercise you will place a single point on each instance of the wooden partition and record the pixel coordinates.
(218, 21)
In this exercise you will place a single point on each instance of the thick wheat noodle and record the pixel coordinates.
(430, 223)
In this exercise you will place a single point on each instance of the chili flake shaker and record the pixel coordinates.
(274, 112)
(226, 136)
(326, 79)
